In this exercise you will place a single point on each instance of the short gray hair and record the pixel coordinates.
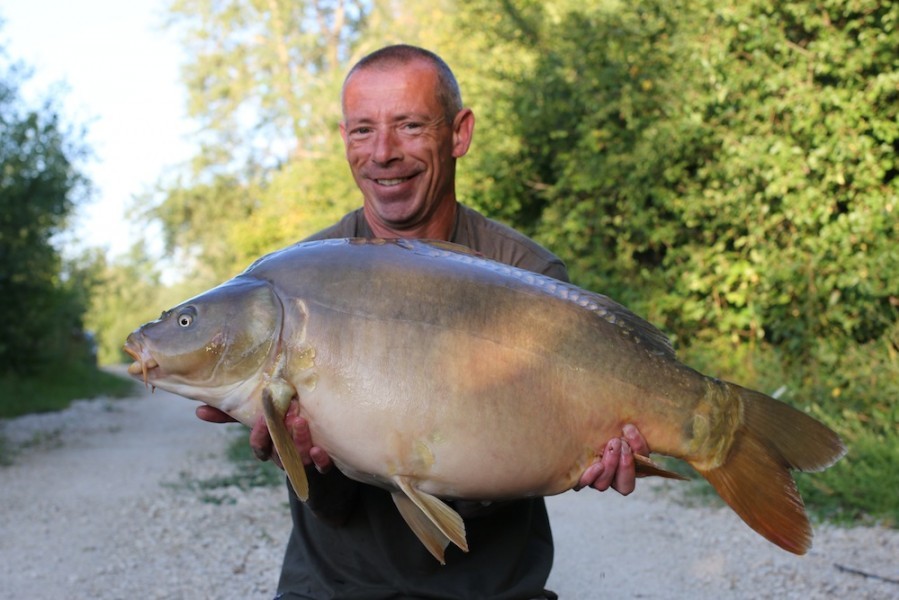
(448, 93)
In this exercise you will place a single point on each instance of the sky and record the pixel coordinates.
(121, 69)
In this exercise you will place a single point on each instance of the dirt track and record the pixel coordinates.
(89, 511)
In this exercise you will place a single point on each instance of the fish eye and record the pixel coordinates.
(186, 316)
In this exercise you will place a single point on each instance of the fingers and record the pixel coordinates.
(625, 475)
(601, 474)
(625, 478)
(261, 441)
(299, 431)
(302, 439)
(320, 459)
(590, 475)
(616, 467)
(213, 415)
(635, 440)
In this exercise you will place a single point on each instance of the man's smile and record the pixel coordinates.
(392, 182)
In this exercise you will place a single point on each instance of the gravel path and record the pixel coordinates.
(92, 508)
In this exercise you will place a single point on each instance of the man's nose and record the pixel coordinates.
(386, 147)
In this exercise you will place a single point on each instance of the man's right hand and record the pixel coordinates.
(213, 415)
(261, 440)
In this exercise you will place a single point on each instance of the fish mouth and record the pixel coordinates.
(142, 364)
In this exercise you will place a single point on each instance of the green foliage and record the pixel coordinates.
(263, 83)
(39, 187)
(128, 293)
(729, 171)
(55, 388)
(261, 73)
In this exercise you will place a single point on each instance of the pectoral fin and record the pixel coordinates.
(646, 466)
(290, 458)
(431, 519)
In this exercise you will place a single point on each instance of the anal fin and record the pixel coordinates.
(428, 533)
(433, 521)
(647, 467)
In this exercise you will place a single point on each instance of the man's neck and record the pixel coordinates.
(438, 227)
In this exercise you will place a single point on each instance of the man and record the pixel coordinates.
(404, 127)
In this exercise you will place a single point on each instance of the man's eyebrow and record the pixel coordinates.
(421, 118)
(395, 119)
(411, 117)
(358, 121)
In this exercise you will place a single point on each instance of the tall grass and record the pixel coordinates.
(55, 388)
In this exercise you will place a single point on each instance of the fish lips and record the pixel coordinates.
(143, 362)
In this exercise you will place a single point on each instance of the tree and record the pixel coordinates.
(263, 85)
(40, 185)
(125, 294)
(725, 168)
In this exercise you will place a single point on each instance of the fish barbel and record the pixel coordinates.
(413, 361)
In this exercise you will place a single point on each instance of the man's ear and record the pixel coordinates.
(342, 127)
(463, 130)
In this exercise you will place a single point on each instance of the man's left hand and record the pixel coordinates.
(616, 468)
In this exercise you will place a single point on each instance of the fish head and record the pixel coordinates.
(213, 347)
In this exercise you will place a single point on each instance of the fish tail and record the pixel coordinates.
(754, 477)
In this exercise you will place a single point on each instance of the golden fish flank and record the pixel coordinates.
(415, 360)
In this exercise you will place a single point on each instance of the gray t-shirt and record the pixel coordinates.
(350, 542)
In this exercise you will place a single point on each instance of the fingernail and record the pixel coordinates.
(629, 431)
(614, 445)
(625, 449)
(260, 454)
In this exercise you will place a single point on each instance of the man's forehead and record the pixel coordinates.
(398, 93)
(414, 69)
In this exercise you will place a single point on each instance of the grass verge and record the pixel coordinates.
(55, 389)
(245, 472)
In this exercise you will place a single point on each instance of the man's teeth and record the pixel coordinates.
(395, 181)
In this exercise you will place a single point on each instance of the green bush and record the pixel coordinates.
(729, 171)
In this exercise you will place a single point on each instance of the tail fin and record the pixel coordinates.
(755, 478)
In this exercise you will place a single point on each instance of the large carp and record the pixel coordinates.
(437, 374)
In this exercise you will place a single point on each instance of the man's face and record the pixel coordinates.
(400, 147)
